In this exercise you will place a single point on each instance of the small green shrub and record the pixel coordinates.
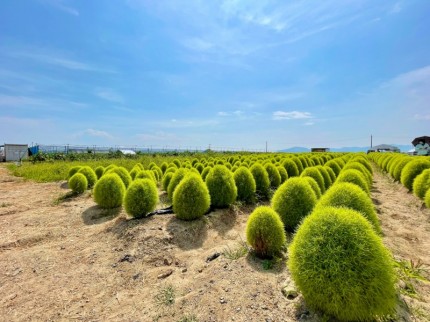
(199, 167)
(427, 198)
(146, 174)
(332, 164)
(109, 167)
(166, 180)
(345, 194)
(326, 176)
(205, 172)
(316, 175)
(412, 169)
(421, 184)
(341, 266)
(191, 199)
(109, 191)
(177, 163)
(89, 173)
(283, 173)
(265, 232)
(164, 167)
(398, 167)
(99, 171)
(298, 163)
(291, 168)
(176, 179)
(330, 173)
(221, 185)
(141, 197)
(78, 183)
(293, 201)
(355, 177)
(262, 180)
(314, 185)
(360, 167)
(72, 171)
(123, 174)
(274, 176)
(134, 172)
(245, 184)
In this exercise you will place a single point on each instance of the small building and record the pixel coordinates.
(385, 148)
(13, 152)
(320, 150)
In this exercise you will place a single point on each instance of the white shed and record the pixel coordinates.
(13, 152)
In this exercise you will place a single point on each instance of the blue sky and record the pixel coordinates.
(231, 74)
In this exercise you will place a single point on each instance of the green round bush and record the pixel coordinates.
(262, 180)
(283, 173)
(362, 160)
(326, 176)
(141, 197)
(412, 169)
(99, 171)
(191, 199)
(177, 163)
(78, 183)
(166, 180)
(109, 167)
(315, 174)
(205, 172)
(298, 163)
(421, 184)
(330, 173)
(265, 232)
(398, 168)
(360, 167)
(291, 168)
(199, 167)
(158, 171)
(332, 164)
(341, 266)
(176, 179)
(314, 185)
(245, 184)
(134, 172)
(72, 171)
(427, 198)
(221, 185)
(146, 174)
(293, 201)
(109, 191)
(349, 195)
(355, 177)
(123, 174)
(274, 176)
(89, 173)
(164, 167)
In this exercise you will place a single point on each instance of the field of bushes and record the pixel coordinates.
(316, 208)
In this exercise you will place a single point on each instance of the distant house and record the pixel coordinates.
(320, 150)
(13, 152)
(385, 148)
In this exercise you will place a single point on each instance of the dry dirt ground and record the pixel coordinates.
(71, 261)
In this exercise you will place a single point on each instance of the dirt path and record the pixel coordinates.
(73, 261)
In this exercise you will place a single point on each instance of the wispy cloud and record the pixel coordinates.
(93, 133)
(159, 138)
(44, 103)
(293, 115)
(192, 123)
(109, 94)
(223, 114)
(396, 8)
(422, 117)
(61, 5)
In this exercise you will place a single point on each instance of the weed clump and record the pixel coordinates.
(221, 185)
(293, 201)
(109, 191)
(141, 197)
(245, 184)
(78, 183)
(191, 198)
(265, 232)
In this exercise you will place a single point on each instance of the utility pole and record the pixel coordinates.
(371, 141)
(266, 146)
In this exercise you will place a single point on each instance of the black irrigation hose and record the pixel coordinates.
(164, 211)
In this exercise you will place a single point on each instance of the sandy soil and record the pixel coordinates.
(74, 261)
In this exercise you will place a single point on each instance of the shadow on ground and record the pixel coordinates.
(96, 215)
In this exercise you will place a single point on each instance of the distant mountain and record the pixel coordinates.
(297, 149)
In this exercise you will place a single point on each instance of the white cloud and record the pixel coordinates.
(309, 123)
(238, 113)
(396, 8)
(109, 95)
(61, 5)
(293, 115)
(223, 114)
(93, 133)
(422, 117)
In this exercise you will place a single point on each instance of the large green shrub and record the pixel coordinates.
(283, 173)
(314, 185)
(245, 184)
(78, 183)
(341, 266)
(262, 180)
(293, 201)
(421, 184)
(89, 173)
(123, 174)
(274, 176)
(176, 179)
(355, 177)
(141, 197)
(191, 198)
(316, 175)
(360, 167)
(109, 191)
(265, 232)
(291, 167)
(221, 185)
(166, 180)
(332, 164)
(72, 171)
(398, 168)
(345, 194)
(412, 169)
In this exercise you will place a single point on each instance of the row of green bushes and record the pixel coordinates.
(412, 171)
